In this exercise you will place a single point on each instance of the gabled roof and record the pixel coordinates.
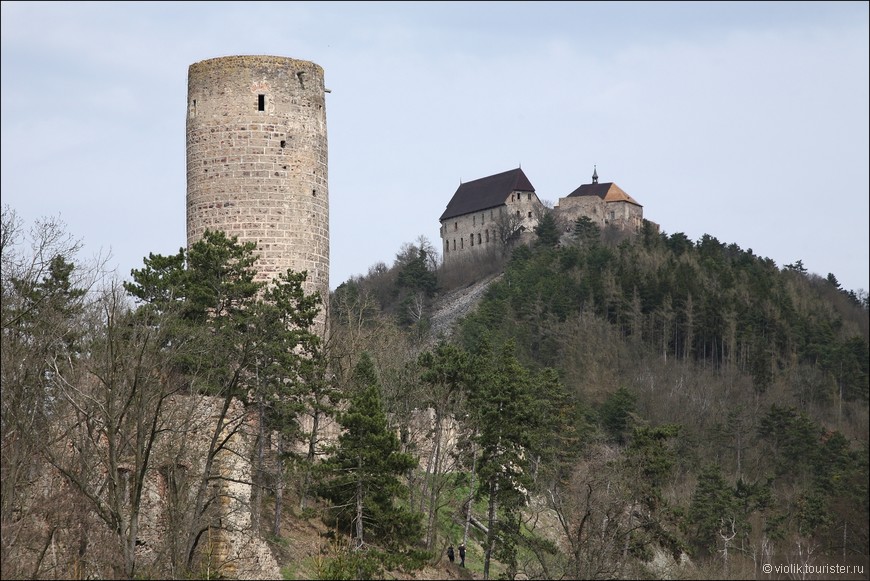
(488, 192)
(608, 191)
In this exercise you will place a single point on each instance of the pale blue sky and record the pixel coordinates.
(745, 121)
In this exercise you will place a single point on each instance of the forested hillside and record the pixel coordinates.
(753, 380)
(654, 407)
(712, 407)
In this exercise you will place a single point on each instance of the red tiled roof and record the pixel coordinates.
(608, 191)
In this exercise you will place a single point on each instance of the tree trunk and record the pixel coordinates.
(470, 506)
(195, 526)
(359, 506)
(279, 487)
(309, 458)
(130, 555)
(425, 490)
(433, 485)
(628, 534)
(257, 507)
(490, 537)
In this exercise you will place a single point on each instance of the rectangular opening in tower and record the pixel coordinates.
(261, 102)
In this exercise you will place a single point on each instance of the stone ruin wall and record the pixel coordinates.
(626, 216)
(239, 552)
(233, 549)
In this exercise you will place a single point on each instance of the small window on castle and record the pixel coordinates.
(478, 237)
(314, 193)
(530, 214)
(454, 244)
(512, 197)
(261, 102)
(461, 243)
(474, 220)
(518, 213)
(530, 197)
(482, 219)
(283, 142)
(456, 225)
(471, 239)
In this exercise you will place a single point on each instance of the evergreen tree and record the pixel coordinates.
(547, 231)
(649, 463)
(503, 404)
(362, 476)
(616, 414)
(586, 232)
(444, 373)
(558, 426)
(234, 338)
(211, 290)
(713, 504)
(289, 375)
(416, 276)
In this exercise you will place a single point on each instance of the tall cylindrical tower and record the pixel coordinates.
(257, 161)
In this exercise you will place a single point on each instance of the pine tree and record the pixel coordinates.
(713, 504)
(547, 231)
(616, 414)
(505, 412)
(232, 337)
(444, 372)
(362, 477)
(586, 232)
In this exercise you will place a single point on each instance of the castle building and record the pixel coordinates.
(605, 204)
(487, 213)
(257, 162)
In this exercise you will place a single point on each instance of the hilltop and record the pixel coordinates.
(591, 407)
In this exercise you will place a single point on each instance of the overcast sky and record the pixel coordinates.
(745, 121)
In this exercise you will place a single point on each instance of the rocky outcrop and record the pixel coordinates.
(456, 304)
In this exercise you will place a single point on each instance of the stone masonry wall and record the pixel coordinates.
(570, 209)
(257, 161)
(624, 215)
(234, 549)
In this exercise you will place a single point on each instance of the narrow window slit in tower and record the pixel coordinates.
(314, 193)
(261, 102)
(283, 144)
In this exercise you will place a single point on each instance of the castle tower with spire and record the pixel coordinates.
(606, 204)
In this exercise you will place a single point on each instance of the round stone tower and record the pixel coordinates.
(257, 162)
